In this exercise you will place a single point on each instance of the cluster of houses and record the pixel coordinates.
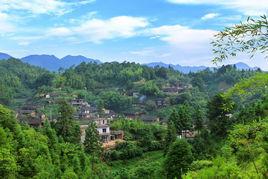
(86, 113)
(138, 109)
(29, 114)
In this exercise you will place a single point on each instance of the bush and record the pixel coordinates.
(200, 164)
(124, 151)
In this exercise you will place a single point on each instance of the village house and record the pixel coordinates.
(142, 99)
(188, 134)
(172, 90)
(133, 114)
(149, 118)
(117, 135)
(161, 102)
(110, 114)
(103, 129)
(86, 113)
(29, 115)
(106, 135)
(49, 97)
(136, 95)
(79, 102)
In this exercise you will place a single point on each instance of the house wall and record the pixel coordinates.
(100, 129)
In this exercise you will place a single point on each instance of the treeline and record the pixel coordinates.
(111, 85)
(139, 138)
(52, 151)
(230, 121)
(237, 123)
(17, 81)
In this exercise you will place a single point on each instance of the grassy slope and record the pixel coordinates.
(155, 159)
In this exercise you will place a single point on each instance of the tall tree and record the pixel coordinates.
(66, 126)
(199, 118)
(171, 133)
(178, 160)
(8, 165)
(219, 113)
(150, 88)
(182, 119)
(92, 142)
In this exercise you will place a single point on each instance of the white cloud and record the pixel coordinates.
(143, 52)
(83, 18)
(149, 53)
(23, 43)
(247, 7)
(182, 36)
(98, 30)
(59, 31)
(26, 40)
(191, 1)
(5, 24)
(210, 16)
(55, 7)
(185, 45)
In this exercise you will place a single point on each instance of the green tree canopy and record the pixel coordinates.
(219, 112)
(66, 126)
(92, 142)
(171, 134)
(178, 160)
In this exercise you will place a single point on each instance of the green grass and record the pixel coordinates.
(153, 159)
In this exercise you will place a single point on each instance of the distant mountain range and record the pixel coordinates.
(188, 69)
(182, 69)
(52, 63)
(4, 56)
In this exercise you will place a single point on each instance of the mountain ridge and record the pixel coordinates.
(182, 69)
(4, 56)
(53, 63)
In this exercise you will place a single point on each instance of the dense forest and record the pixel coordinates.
(209, 124)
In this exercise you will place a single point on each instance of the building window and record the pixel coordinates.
(104, 130)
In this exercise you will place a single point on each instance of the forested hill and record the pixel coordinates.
(112, 85)
(126, 120)
(212, 103)
(18, 81)
(49, 152)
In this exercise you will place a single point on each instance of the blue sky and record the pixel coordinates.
(171, 31)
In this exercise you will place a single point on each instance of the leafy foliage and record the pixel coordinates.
(220, 109)
(179, 159)
(250, 37)
(92, 141)
(171, 135)
(148, 137)
(66, 126)
(27, 153)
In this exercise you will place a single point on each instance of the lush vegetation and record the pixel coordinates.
(140, 138)
(27, 153)
(18, 81)
(149, 165)
(57, 142)
(249, 37)
(215, 124)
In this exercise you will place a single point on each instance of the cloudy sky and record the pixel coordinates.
(171, 31)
